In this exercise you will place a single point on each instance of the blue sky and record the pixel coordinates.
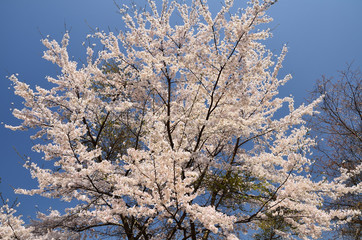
(322, 36)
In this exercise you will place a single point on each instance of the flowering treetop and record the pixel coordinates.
(170, 132)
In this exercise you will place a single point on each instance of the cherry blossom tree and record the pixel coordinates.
(180, 140)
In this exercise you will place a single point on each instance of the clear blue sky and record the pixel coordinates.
(322, 36)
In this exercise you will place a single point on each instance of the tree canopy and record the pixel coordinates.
(179, 139)
(339, 128)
